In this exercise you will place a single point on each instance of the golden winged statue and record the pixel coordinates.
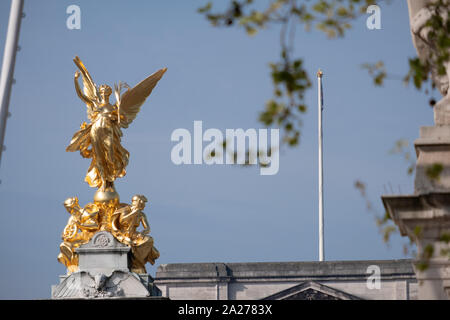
(100, 140)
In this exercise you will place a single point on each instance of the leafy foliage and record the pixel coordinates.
(423, 262)
(377, 71)
(385, 225)
(334, 18)
(438, 41)
(291, 80)
(434, 171)
(289, 77)
(401, 148)
(384, 222)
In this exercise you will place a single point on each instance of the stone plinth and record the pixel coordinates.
(425, 216)
(425, 219)
(104, 273)
(103, 254)
(432, 149)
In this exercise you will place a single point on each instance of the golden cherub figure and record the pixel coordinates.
(100, 140)
(124, 224)
(81, 226)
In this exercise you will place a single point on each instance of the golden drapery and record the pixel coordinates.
(100, 140)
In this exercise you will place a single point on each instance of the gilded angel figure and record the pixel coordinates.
(100, 140)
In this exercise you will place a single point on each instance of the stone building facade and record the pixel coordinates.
(329, 280)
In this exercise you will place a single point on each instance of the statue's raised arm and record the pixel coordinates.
(90, 94)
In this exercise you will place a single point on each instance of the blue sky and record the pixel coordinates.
(201, 213)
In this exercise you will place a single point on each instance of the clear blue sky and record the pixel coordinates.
(220, 76)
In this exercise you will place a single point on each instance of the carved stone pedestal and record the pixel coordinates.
(104, 273)
(425, 216)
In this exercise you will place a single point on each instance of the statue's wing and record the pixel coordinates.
(132, 99)
(89, 87)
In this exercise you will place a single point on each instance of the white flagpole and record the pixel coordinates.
(321, 233)
(9, 59)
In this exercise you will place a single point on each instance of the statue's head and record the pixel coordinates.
(139, 201)
(71, 203)
(104, 91)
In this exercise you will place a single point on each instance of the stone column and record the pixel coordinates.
(425, 216)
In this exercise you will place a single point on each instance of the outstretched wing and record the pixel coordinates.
(90, 89)
(131, 101)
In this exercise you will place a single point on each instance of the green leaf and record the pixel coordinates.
(251, 31)
(445, 237)
(418, 231)
(434, 171)
(206, 8)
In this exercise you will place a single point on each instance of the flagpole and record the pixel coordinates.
(9, 59)
(321, 231)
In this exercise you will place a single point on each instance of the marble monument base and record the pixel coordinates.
(104, 273)
(425, 215)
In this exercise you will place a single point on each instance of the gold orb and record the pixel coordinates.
(109, 194)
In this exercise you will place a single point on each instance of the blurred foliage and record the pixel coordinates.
(434, 171)
(438, 42)
(259, 156)
(334, 18)
(377, 71)
(401, 148)
(289, 77)
(385, 225)
(383, 221)
(291, 80)
(424, 259)
(445, 237)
